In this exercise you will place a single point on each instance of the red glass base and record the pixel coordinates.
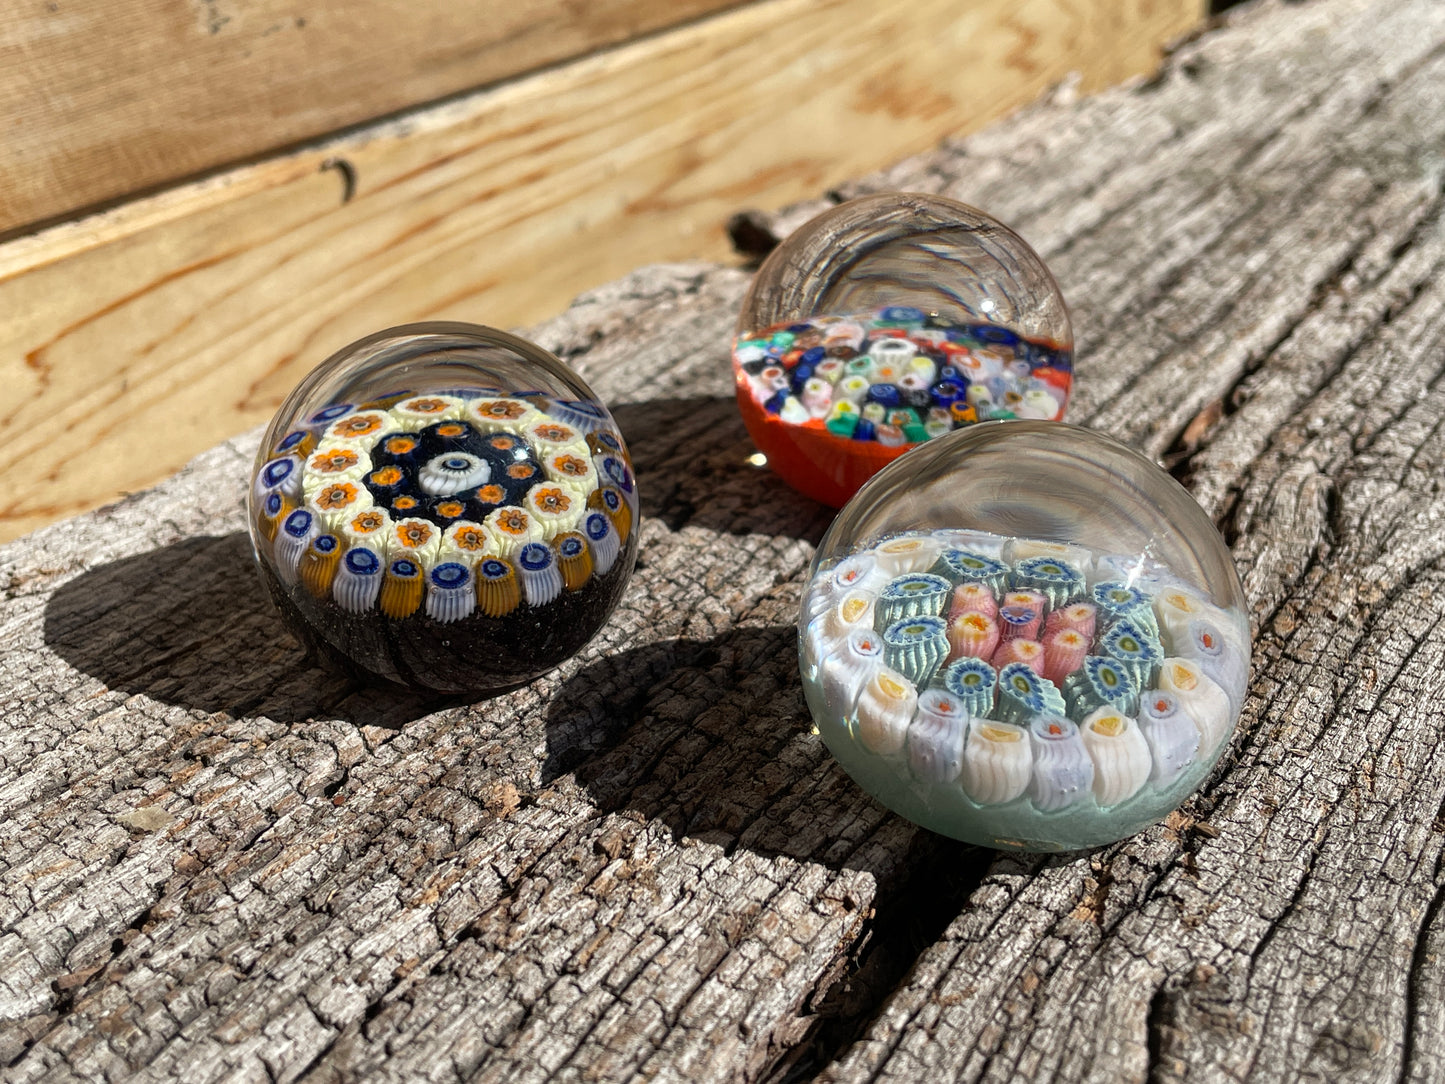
(808, 457)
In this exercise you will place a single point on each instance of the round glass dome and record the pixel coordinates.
(888, 321)
(444, 506)
(1025, 635)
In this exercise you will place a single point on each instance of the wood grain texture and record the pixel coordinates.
(135, 339)
(101, 101)
(223, 864)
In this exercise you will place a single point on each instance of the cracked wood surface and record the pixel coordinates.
(223, 864)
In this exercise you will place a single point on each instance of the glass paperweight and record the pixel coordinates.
(1025, 635)
(888, 321)
(444, 506)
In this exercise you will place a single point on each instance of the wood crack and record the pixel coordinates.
(909, 914)
(1414, 978)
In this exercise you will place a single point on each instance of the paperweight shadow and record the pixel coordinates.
(190, 625)
(713, 740)
(694, 464)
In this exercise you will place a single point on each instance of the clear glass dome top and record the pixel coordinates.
(934, 254)
(445, 506)
(888, 321)
(1025, 635)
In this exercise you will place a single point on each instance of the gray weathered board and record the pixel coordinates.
(220, 863)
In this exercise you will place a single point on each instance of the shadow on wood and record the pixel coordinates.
(190, 625)
(691, 456)
(711, 739)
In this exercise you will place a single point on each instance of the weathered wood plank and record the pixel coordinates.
(191, 314)
(224, 863)
(97, 103)
(1276, 334)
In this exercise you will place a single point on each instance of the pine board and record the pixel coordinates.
(98, 102)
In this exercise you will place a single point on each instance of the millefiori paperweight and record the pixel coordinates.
(444, 506)
(888, 321)
(1025, 635)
